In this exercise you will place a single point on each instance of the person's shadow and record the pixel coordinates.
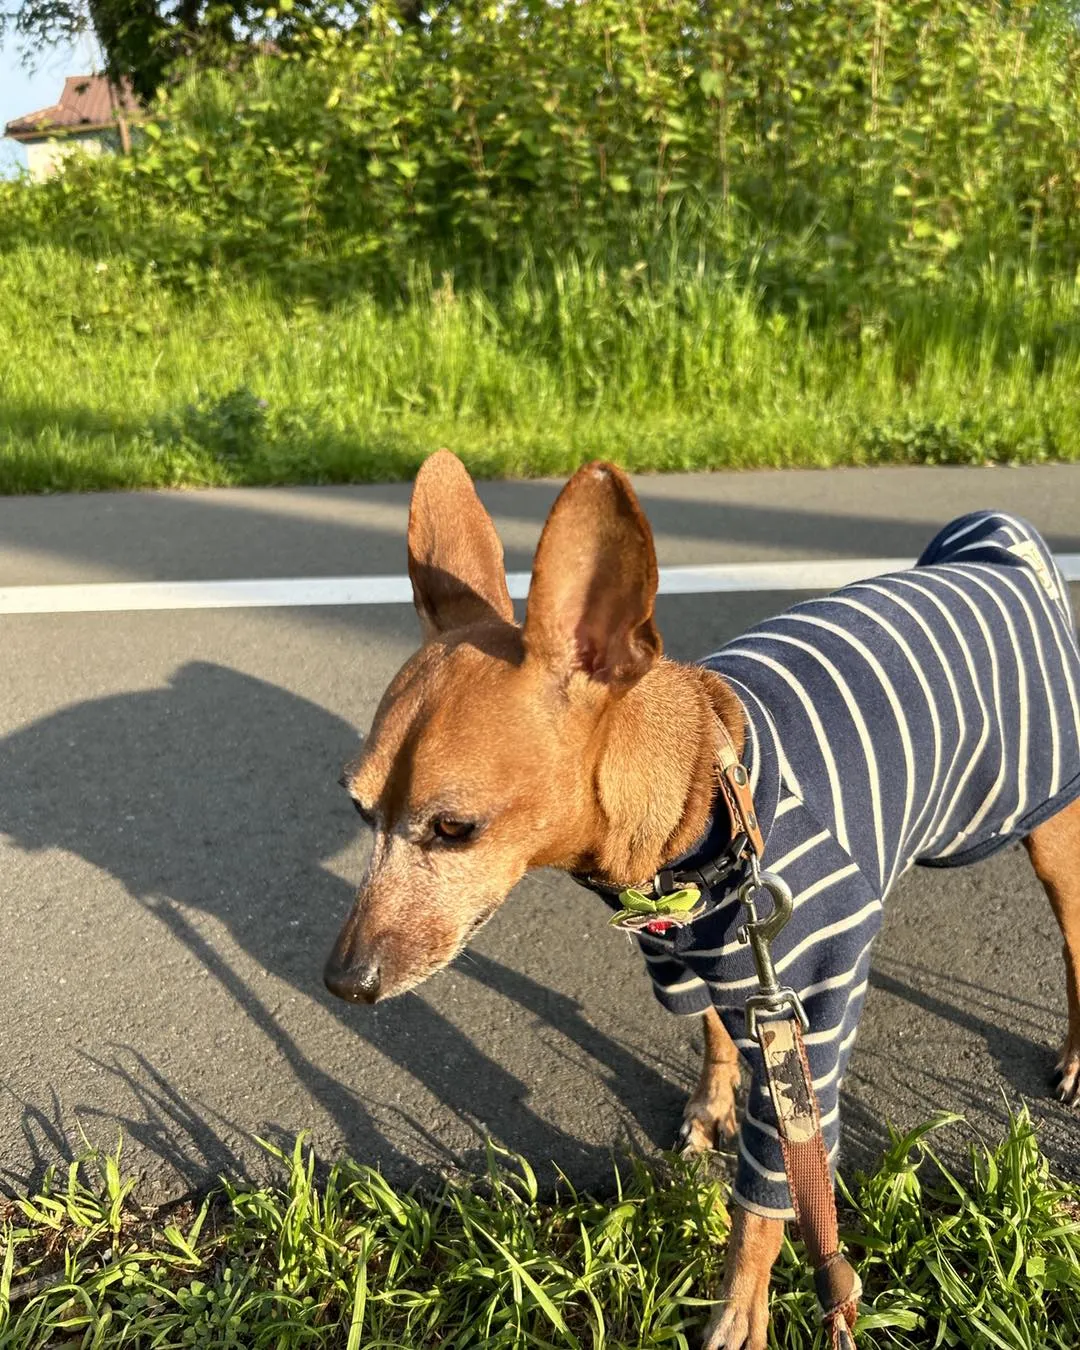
(217, 793)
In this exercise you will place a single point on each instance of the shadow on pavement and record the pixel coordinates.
(217, 794)
(1006, 1032)
(360, 530)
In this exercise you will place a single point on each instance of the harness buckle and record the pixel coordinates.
(664, 881)
(772, 998)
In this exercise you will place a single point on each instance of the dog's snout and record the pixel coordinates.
(353, 970)
(356, 982)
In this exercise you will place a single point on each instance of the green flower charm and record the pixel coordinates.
(639, 909)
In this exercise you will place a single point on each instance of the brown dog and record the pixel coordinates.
(566, 743)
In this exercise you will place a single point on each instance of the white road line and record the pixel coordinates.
(301, 592)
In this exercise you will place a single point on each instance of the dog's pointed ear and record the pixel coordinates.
(594, 583)
(455, 556)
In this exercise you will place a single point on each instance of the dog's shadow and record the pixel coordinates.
(216, 795)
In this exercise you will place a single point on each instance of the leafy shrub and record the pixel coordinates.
(231, 428)
(823, 153)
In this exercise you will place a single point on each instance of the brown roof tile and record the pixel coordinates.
(87, 103)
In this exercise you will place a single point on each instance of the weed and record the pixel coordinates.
(993, 1261)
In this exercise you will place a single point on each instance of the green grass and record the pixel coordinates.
(109, 379)
(350, 1262)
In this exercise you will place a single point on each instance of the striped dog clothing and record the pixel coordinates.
(928, 716)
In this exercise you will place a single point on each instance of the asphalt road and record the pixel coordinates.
(175, 858)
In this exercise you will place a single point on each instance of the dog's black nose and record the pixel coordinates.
(355, 983)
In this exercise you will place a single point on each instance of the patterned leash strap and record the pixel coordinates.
(776, 1019)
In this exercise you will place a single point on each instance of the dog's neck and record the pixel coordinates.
(655, 771)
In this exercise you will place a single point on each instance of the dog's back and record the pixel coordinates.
(903, 705)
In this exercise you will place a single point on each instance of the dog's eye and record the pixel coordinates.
(452, 831)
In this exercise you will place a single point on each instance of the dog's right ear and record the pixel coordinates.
(455, 556)
(594, 583)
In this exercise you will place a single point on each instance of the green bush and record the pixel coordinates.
(824, 153)
(673, 234)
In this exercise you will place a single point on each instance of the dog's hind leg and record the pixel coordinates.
(1054, 849)
(709, 1117)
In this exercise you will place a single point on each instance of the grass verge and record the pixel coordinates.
(110, 380)
(350, 1262)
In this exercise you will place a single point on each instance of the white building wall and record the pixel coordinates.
(44, 157)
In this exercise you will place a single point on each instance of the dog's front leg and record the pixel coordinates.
(709, 1117)
(741, 1319)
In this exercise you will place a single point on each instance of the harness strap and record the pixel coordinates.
(735, 789)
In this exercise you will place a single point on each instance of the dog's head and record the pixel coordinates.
(487, 754)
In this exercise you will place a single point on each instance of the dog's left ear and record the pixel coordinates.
(455, 556)
(594, 583)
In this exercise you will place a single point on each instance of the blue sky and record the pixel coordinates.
(22, 91)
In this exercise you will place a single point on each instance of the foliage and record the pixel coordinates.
(681, 236)
(992, 1262)
(824, 151)
(141, 40)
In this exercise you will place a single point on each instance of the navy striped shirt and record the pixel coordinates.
(929, 716)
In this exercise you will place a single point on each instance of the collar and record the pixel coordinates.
(717, 861)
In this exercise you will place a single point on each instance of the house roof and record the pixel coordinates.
(88, 103)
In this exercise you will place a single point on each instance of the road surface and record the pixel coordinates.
(176, 857)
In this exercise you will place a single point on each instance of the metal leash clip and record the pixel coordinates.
(772, 998)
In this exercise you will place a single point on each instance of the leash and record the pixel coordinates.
(775, 1018)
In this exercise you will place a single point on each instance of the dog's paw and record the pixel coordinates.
(702, 1132)
(1066, 1077)
(738, 1325)
(709, 1120)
